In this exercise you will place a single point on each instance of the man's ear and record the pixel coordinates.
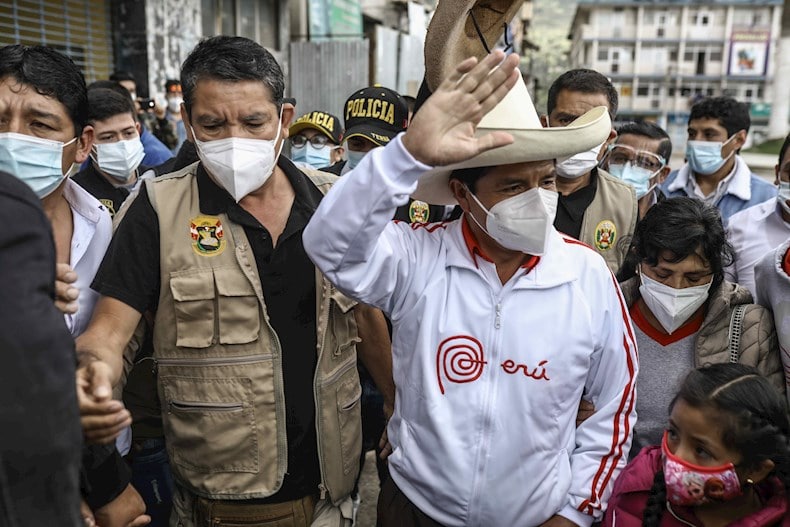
(187, 123)
(461, 193)
(84, 144)
(544, 120)
(337, 154)
(740, 140)
(662, 175)
(288, 116)
(605, 147)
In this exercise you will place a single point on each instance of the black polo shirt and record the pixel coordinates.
(97, 185)
(571, 208)
(130, 273)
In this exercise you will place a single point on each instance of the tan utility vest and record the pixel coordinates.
(220, 363)
(610, 218)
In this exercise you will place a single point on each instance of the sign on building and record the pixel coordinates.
(333, 19)
(749, 52)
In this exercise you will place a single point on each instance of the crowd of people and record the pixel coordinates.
(216, 308)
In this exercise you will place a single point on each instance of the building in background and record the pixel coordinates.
(664, 55)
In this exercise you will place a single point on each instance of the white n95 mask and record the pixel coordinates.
(672, 307)
(522, 222)
(577, 165)
(120, 159)
(237, 164)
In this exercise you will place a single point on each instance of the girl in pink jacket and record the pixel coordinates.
(724, 458)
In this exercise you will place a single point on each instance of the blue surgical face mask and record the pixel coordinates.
(36, 161)
(316, 157)
(704, 157)
(637, 177)
(354, 157)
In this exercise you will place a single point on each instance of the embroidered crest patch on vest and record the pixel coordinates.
(207, 235)
(419, 211)
(605, 235)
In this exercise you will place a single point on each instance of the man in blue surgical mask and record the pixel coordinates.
(639, 156)
(714, 171)
(315, 140)
(116, 158)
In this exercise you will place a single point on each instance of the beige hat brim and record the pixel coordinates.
(533, 144)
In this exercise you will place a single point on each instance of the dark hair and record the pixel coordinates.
(172, 82)
(231, 59)
(731, 114)
(650, 130)
(681, 226)
(104, 103)
(51, 74)
(109, 85)
(469, 176)
(121, 75)
(585, 81)
(755, 421)
(783, 150)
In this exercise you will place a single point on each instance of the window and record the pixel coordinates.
(672, 91)
(655, 104)
(688, 56)
(643, 91)
(63, 26)
(255, 19)
(673, 55)
(615, 54)
(709, 92)
(660, 32)
(603, 53)
(656, 90)
(748, 93)
(615, 67)
(760, 92)
(715, 55)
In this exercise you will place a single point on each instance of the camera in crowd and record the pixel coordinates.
(146, 104)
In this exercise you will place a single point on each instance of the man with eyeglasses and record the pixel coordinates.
(316, 140)
(639, 156)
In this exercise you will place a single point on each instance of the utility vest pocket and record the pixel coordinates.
(214, 306)
(218, 413)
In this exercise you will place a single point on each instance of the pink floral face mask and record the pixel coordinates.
(690, 485)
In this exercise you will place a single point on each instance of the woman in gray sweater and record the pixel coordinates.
(684, 311)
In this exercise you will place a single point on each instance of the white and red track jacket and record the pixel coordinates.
(488, 376)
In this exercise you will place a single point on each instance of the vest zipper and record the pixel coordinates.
(224, 361)
(201, 406)
(326, 288)
(339, 373)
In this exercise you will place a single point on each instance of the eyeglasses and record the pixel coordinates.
(318, 141)
(622, 154)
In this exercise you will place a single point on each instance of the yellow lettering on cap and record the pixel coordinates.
(376, 108)
(390, 116)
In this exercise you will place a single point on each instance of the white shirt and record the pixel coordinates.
(737, 183)
(753, 232)
(488, 376)
(91, 236)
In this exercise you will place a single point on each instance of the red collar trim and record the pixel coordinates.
(689, 328)
(476, 251)
(786, 262)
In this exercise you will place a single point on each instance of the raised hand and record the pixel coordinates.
(443, 131)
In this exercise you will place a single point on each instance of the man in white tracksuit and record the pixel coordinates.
(500, 323)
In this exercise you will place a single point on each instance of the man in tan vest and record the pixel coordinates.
(255, 350)
(594, 207)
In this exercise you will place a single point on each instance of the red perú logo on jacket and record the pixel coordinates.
(461, 359)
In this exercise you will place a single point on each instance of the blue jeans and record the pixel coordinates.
(152, 478)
